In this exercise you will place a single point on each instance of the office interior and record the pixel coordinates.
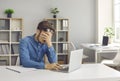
(87, 19)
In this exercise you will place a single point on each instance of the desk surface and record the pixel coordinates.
(87, 72)
(100, 48)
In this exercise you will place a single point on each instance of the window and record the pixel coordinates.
(117, 20)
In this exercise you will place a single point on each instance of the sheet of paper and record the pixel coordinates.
(20, 69)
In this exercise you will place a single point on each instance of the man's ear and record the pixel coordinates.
(37, 32)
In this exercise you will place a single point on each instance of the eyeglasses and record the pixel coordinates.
(47, 30)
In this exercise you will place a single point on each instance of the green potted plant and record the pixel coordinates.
(54, 11)
(109, 31)
(9, 12)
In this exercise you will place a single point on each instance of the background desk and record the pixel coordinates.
(87, 72)
(99, 49)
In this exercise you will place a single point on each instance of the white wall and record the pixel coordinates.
(80, 12)
(104, 17)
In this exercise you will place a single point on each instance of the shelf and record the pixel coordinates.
(49, 19)
(14, 42)
(10, 35)
(16, 30)
(60, 40)
(4, 54)
(14, 54)
(62, 53)
(4, 42)
(4, 30)
(9, 54)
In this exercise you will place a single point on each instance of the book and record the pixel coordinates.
(2, 24)
(65, 48)
(1, 50)
(12, 51)
(5, 51)
(65, 24)
(15, 49)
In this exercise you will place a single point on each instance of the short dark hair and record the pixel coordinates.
(45, 24)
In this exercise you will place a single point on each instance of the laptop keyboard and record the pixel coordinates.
(64, 68)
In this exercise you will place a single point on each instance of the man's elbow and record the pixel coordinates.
(25, 64)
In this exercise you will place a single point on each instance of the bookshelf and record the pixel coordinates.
(10, 34)
(60, 39)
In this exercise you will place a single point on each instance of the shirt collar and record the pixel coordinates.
(33, 36)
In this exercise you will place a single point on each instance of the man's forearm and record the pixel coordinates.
(33, 64)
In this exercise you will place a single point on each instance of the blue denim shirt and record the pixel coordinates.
(32, 53)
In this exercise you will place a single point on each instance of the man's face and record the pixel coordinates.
(44, 35)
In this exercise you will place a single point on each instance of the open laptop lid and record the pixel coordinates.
(75, 60)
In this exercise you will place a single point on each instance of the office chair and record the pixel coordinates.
(115, 62)
(18, 61)
(72, 47)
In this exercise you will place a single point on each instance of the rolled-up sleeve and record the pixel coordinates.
(25, 57)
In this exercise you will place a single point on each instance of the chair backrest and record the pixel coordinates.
(18, 61)
(72, 46)
(116, 59)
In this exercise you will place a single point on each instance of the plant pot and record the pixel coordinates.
(110, 40)
(9, 15)
(54, 16)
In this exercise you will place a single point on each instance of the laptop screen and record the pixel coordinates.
(75, 59)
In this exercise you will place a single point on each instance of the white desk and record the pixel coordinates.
(87, 72)
(111, 48)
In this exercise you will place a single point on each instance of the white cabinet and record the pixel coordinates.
(10, 34)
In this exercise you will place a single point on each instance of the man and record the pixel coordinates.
(33, 48)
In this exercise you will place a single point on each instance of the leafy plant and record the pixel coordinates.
(109, 31)
(9, 11)
(54, 11)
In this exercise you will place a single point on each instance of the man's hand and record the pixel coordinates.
(53, 66)
(47, 37)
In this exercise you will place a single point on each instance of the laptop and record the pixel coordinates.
(75, 61)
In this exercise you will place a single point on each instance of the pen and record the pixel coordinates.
(13, 70)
